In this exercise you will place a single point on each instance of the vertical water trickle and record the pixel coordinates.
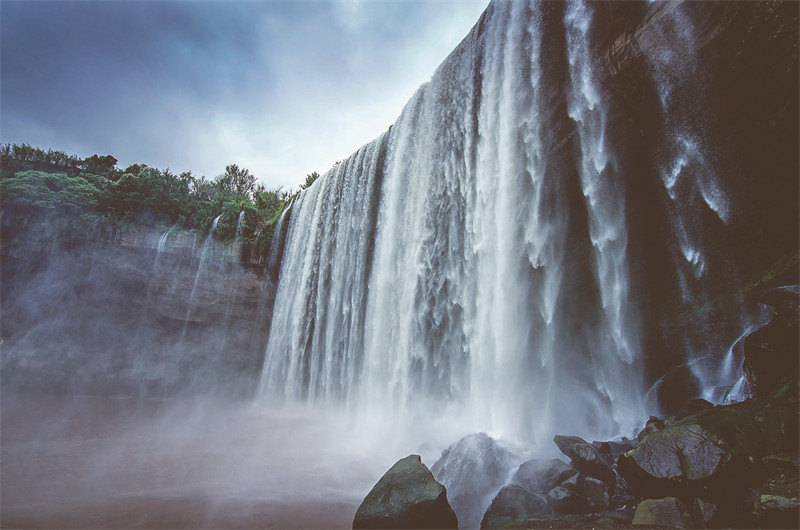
(697, 202)
(200, 269)
(160, 247)
(239, 227)
(616, 336)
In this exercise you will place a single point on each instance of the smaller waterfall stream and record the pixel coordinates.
(200, 268)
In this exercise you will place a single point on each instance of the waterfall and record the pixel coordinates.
(200, 268)
(160, 247)
(603, 189)
(239, 227)
(486, 263)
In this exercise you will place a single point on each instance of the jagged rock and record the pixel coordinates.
(692, 407)
(540, 476)
(771, 352)
(667, 512)
(567, 497)
(513, 503)
(611, 449)
(586, 458)
(702, 512)
(596, 492)
(407, 496)
(710, 454)
(777, 504)
(473, 469)
(653, 424)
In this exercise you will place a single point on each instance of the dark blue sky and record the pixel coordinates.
(280, 87)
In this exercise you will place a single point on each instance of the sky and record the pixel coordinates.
(282, 88)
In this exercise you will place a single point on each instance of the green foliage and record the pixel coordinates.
(310, 178)
(37, 190)
(34, 181)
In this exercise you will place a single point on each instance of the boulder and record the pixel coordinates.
(567, 497)
(586, 458)
(653, 424)
(473, 469)
(777, 504)
(711, 454)
(540, 476)
(668, 512)
(596, 492)
(692, 407)
(407, 496)
(513, 503)
(702, 513)
(611, 449)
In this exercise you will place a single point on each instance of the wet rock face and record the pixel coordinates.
(407, 496)
(771, 351)
(586, 457)
(710, 453)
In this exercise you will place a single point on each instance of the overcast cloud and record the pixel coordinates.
(282, 88)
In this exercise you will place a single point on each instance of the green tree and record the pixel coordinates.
(237, 181)
(310, 178)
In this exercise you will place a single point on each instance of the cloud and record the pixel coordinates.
(282, 88)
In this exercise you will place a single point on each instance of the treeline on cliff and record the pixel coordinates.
(93, 191)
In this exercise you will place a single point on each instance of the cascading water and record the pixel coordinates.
(603, 190)
(541, 237)
(460, 309)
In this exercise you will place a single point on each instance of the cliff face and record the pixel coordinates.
(134, 311)
(703, 100)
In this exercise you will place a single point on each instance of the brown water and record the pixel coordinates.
(124, 463)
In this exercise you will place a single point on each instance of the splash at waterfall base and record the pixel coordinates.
(724, 466)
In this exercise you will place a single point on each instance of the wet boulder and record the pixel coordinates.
(711, 454)
(473, 469)
(611, 449)
(540, 476)
(596, 493)
(586, 458)
(653, 424)
(406, 496)
(567, 497)
(668, 512)
(777, 504)
(513, 503)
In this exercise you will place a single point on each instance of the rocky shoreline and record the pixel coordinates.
(725, 466)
